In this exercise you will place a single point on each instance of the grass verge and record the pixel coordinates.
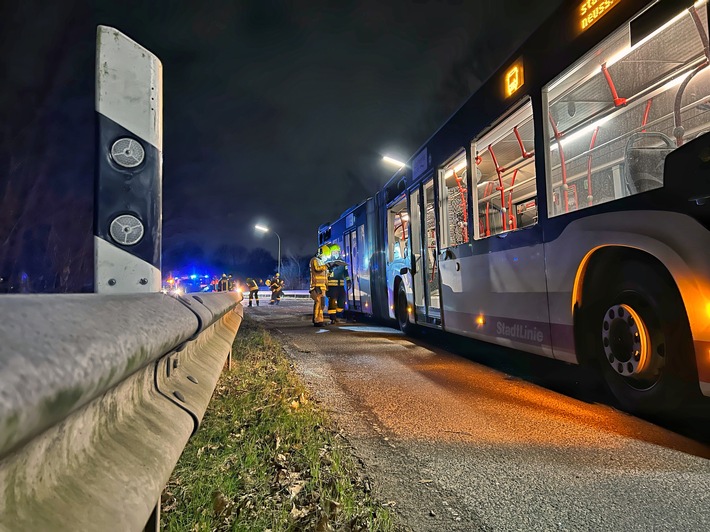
(266, 457)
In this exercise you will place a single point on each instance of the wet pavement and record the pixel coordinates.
(461, 435)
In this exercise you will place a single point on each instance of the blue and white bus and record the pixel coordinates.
(562, 210)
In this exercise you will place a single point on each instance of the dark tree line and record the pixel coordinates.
(189, 257)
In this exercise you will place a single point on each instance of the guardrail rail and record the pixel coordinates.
(98, 397)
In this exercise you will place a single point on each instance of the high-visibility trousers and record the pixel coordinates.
(336, 300)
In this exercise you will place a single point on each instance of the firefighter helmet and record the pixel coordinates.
(334, 249)
(324, 251)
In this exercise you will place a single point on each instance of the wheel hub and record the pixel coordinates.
(626, 341)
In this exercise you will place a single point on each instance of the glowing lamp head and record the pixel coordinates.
(393, 162)
(480, 320)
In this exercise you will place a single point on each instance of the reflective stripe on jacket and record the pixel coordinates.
(338, 274)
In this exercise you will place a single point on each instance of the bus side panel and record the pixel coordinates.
(376, 228)
(499, 297)
(360, 270)
(680, 243)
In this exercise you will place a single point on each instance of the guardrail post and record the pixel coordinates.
(153, 524)
(128, 206)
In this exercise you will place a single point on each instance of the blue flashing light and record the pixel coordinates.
(193, 277)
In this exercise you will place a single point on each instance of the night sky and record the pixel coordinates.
(275, 112)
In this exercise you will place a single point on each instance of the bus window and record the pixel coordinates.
(398, 231)
(617, 113)
(504, 163)
(453, 183)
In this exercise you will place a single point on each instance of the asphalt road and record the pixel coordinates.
(473, 437)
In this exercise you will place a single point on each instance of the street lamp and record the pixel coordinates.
(265, 229)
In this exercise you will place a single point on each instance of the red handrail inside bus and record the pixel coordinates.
(526, 154)
(488, 220)
(576, 198)
(645, 115)
(618, 102)
(590, 196)
(513, 218)
(487, 191)
(563, 165)
(499, 171)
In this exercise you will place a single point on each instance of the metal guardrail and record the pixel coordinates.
(98, 397)
(265, 295)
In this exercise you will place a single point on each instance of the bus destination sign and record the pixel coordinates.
(590, 11)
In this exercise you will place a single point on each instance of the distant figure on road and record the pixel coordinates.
(337, 277)
(319, 281)
(223, 284)
(276, 286)
(253, 288)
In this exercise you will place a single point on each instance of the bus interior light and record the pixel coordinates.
(460, 166)
(566, 140)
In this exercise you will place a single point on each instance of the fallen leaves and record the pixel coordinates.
(220, 504)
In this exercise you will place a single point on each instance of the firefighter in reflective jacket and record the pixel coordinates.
(276, 286)
(253, 288)
(319, 282)
(337, 277)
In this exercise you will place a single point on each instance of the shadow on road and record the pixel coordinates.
(567, 379)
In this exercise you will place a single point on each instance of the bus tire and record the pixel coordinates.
(639, 334)
(402, 312)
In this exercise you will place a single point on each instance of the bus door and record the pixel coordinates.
(353, 260)
(453, 183)
(430, 270)
(417, 257)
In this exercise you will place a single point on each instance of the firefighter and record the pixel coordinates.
(253, 288)
(338, 275)
(319, 282)
(223, 284)
(276, 286)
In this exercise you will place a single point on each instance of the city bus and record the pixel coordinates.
(563, 209)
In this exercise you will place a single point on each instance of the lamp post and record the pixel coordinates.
(265, 229)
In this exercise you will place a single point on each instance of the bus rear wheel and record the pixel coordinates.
(639, 333)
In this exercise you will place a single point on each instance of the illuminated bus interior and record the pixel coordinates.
(617, 113)
(454, 202)
(505, 175)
